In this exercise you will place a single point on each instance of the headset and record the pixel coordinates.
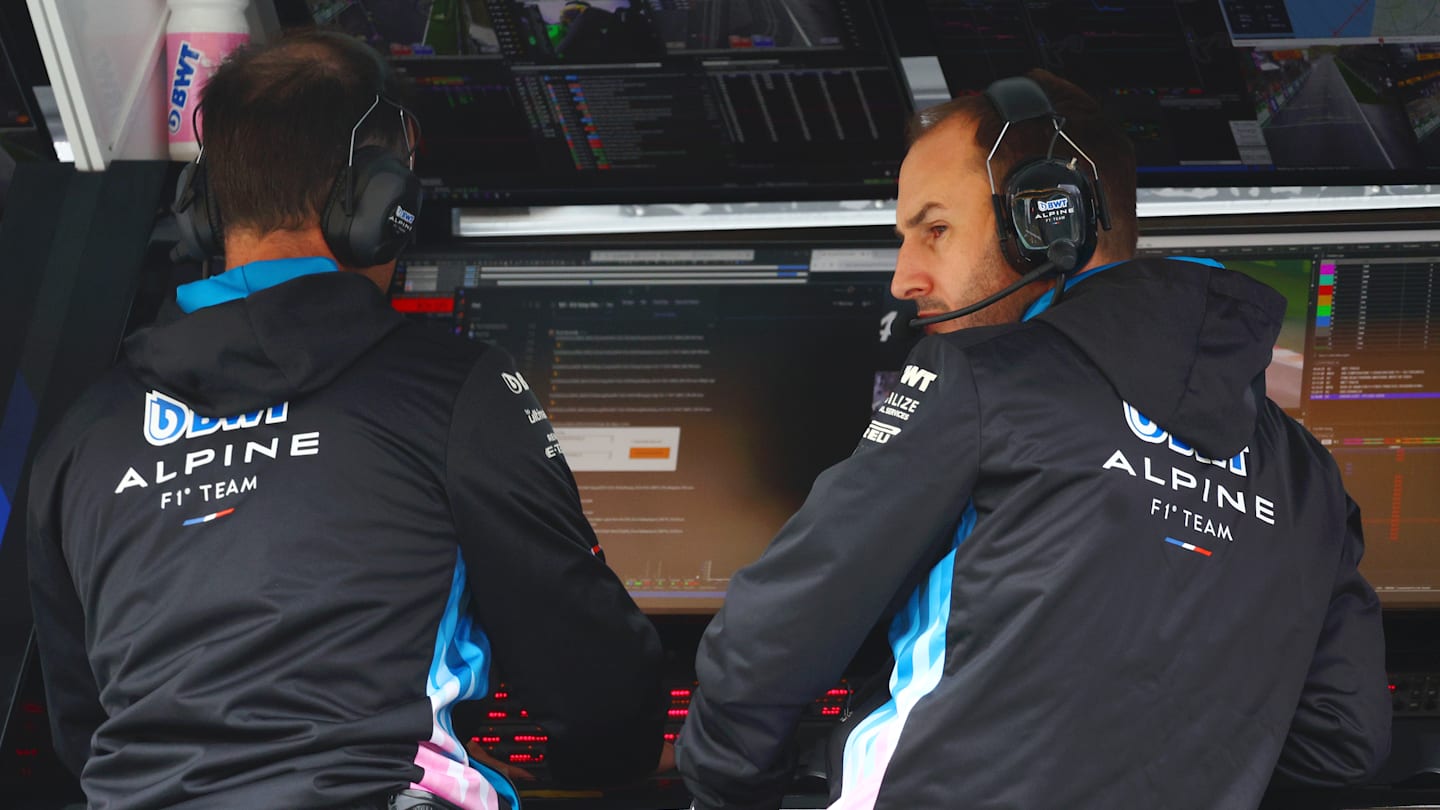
(1047, 216)
(368, 218)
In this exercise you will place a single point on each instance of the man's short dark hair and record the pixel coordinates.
(1085, 123)
(277, 121)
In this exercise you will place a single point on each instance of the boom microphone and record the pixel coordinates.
(1061, 257)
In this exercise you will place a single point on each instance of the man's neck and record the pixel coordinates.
(247, 247)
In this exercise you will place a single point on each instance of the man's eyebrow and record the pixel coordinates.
(922, 214)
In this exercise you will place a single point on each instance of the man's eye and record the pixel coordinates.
(936, 231)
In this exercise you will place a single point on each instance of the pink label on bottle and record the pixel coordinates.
(193, 57)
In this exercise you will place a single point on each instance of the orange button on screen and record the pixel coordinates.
(649, 452)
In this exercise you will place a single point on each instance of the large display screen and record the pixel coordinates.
(1358, 363)
(1225, 92)
(696, 392)
(570, 101)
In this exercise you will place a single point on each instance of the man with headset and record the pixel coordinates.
(274, 546)
(1114, 574)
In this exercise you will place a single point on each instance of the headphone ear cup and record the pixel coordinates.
(1048, 201)
(1005, 231)
(370, 216)
(196, 215)
(1014, 256)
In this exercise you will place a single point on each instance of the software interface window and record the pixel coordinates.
(576, 101)
(1358, 363)
(564, 101)
(698, 392)
(1227, 92)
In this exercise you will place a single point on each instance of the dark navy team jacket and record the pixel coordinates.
(1115, 576)
(273, 547)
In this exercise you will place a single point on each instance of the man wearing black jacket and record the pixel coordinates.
(278, 542)
(1114, 574)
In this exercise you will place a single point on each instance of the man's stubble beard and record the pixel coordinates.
(998, 275)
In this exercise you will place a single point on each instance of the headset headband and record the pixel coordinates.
(1019, 99)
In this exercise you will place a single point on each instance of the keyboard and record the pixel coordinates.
(502, 726)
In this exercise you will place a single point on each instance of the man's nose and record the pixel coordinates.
(910, 280)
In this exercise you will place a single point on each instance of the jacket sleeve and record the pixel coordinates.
(71, 694)
(1341, 731)
(572, 643)
(870, 528)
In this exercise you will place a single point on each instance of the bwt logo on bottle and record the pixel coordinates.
(181, 85)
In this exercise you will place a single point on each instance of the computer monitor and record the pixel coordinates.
(696, 391)
(1358, 363)
(1225, 92)
(613, 101)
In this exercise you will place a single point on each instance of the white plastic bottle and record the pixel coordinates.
(200, 34)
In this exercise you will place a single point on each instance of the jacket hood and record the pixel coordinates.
(274, 345)
(1185, 343)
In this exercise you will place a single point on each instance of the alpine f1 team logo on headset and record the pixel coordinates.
(167, 420)
(403, 220)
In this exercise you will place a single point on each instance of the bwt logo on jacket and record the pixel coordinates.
(917, 377)
(167, 420)
(1148, 431)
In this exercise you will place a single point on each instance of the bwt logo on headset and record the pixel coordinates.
(168, 419)
(1049, 206)
(403, 220)
(185, 63)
